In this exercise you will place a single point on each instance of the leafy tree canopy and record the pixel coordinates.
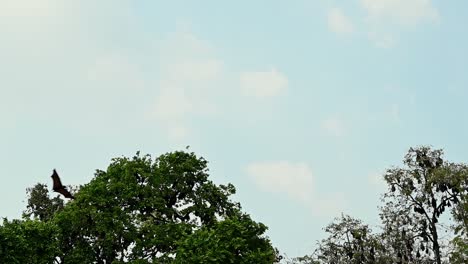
(419, 194)
(234, 240)
(141, 210)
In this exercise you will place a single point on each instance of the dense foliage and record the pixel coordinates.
(166, 210)
(418, 195)
(138, 211)
(235, 240)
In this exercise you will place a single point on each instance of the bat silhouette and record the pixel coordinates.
(58, 187)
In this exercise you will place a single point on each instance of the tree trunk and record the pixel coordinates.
(435, 243)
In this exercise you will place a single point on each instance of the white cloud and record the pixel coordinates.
(333, 126)
(83, 65)
(172, 104)
(31, 26)
(51, 61)
(296, 181)
(189, 72)
(339, 23)
(195, 70)
(404, 12)
(395, 112)
(386, 18)
(383, 40)
(193, 82)
(263, 83)
(28, 8)
(115, 71)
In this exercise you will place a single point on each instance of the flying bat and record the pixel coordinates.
(58, 187)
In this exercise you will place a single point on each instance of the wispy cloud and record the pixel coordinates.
(54, 61)
(385, 18)
(334, 126)
(189, 69)
(403, 12)
(339, 23)
(29, 9)
(116, 71)
(395, 112)
(382, 40)
(263, 84)
(296, 181)
(194, 81)
(293, 179)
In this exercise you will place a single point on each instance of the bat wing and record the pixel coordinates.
(58, 186)
(65, 193)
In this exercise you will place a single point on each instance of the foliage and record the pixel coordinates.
(166, 210)
(418, 196)
(303, 260)
(460, 215)
(460, 252)
(350, 241)
(27, 241)
(235, 240)
(40, 205)
(139, 210)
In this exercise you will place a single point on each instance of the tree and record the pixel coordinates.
(28, 241)
(418, 195)
(141, 210)
(349, 241)
(460, 215)
(40, 205)
(459, 255)
(237, 239)
(400, 238)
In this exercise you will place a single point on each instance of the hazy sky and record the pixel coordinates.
(301, 104)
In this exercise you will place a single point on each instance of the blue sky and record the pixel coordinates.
(302, 105)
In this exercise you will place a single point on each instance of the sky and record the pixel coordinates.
(301, 104)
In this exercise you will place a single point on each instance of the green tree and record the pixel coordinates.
(349, 241)
(40, 206)
(237, 239)
(141, 210)
(401, 238)
(418, 195)
(28, 241)
(460, 215)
